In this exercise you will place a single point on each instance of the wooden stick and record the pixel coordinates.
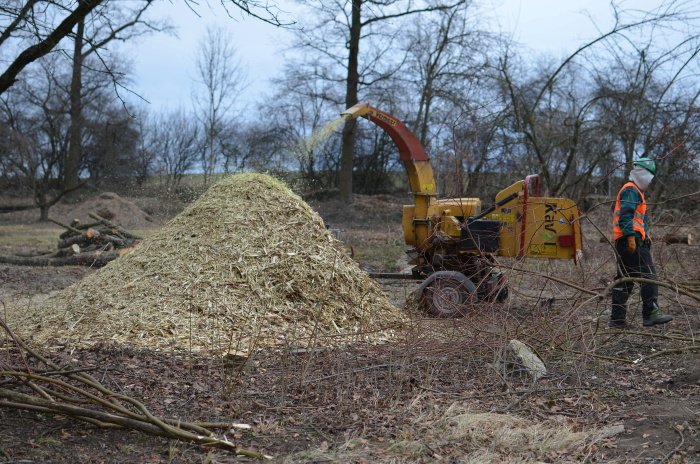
(67, 227)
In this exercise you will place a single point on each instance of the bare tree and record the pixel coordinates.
(175, 140)
(34, 121)
(338, 32)
(299, 112)
(222, 79)
(35, 27)
(452, 92)
(106, 24)
(554, 110)
(111, 143)
(43, 24)
(447, 53)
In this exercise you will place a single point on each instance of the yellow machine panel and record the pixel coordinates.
(451, 233)
(551, 229)
(446, 213)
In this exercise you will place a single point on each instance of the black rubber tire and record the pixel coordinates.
(448, 296)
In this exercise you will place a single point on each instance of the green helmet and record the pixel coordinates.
(646, 163)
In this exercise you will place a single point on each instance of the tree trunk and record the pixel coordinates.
(72, 167)
(43, 213)
(347, 155)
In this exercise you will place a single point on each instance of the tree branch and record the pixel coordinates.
(36, 51)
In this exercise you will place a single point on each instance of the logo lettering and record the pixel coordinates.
(385, 118)
(549, 217)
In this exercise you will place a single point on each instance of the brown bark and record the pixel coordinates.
(347, 154)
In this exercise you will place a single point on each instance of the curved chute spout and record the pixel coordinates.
(411, 152)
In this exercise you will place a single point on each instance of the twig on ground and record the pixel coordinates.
(677, 448)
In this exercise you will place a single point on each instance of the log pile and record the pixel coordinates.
(92, 244)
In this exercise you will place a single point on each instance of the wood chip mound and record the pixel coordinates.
(110, 206)
(248, 265)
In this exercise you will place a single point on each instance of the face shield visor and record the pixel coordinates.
(641, 177)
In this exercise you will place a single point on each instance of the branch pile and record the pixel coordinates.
(40, 385)
(93, 244)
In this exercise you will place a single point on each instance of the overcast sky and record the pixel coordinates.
(164, 65)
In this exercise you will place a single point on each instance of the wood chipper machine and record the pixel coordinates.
(454, 241)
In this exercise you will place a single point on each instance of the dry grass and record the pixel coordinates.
(29, 235)
(459, 435)
(248, 265)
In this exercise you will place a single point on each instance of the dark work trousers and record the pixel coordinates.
(637, 264)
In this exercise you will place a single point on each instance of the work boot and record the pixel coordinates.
(656, 319)
(617, 324)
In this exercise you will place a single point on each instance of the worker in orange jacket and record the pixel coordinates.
(633, 245)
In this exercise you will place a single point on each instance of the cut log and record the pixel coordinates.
(31, 253)
(84, 240)
(92, 233)
(95, 258)
(89, 225)
(685, 239)
(93, 244)
(124, 251)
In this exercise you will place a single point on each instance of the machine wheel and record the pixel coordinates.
(446, 294)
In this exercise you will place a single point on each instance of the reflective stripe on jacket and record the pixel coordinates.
(638, 218)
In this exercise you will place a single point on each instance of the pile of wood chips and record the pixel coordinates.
(248, 265)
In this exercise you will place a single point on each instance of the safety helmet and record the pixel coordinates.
(646, 163)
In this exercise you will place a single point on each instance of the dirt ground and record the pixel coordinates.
(439, 393)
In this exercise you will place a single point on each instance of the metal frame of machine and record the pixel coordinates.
(454, 242)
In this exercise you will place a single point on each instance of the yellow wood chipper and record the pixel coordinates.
(454, 241)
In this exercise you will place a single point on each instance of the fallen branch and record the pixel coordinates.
(673, 351)
(73, 393)
(677, 448)
(111, 225)
(90, 258)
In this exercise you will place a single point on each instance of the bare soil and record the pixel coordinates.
(387, 403)
(123, 211)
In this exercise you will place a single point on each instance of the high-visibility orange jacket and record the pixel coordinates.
(630, 212)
